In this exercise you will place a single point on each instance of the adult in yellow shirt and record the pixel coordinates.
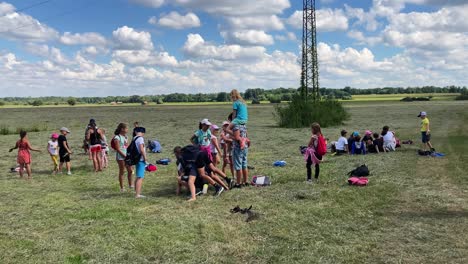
(425, 132)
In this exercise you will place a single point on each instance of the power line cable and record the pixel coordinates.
(33, 5)
(49, 18)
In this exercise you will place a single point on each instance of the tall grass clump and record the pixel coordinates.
(5, 130)
(301, 113)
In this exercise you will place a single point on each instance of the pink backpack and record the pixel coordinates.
(358, 181)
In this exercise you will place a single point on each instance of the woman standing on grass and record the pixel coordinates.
(24, 153)
(120, 144)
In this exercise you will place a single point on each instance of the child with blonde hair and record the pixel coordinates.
(104, 149)
(240, 116)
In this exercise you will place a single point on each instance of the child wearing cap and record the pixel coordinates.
(64, 150)
(425, 132)
(52, 147)
(202, 137)
(367, 139)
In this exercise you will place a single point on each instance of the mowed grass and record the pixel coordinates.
(413, 211)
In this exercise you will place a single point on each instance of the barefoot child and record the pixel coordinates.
(240, 116)
(120, 146)
(24, 154)
(52, 147)
(226, 146)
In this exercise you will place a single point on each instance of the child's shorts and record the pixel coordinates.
(96, 148)
(239, 122)
(64, 157)
(140, 169)
(239, 157)
(425, 137)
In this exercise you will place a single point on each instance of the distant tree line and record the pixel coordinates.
(255, 95)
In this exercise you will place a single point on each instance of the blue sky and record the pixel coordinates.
(98, 48)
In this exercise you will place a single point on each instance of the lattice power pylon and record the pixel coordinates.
(310, 72)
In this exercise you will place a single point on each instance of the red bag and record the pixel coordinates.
(114, 143)
(321, 146)
(358, 181)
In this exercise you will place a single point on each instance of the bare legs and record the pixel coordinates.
(122, 168)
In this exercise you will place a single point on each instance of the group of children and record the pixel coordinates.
(198, 163)
(371, 142)
(384, 141)
(57, 148)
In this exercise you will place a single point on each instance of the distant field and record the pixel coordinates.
(371, 97)
(413, 211)
(397, 97)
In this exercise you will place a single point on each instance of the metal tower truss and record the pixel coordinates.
(310, 72)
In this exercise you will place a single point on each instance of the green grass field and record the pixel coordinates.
(415, 209)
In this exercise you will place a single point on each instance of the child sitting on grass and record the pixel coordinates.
(377, 144)
(358, 146)
(341, 146)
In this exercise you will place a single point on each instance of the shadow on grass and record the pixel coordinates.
(441, 214)
(167, 191)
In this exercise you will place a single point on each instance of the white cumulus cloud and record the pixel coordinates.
(196, 47)
(248, 37)
(22, 27)
(88, 38)
(175, 20)
(327, 20)
(236, 8)
(127, 38)
(145, 57)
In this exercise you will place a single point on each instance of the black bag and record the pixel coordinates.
(133, 155)
(360, 171)
(189, 156)
(424, 152)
